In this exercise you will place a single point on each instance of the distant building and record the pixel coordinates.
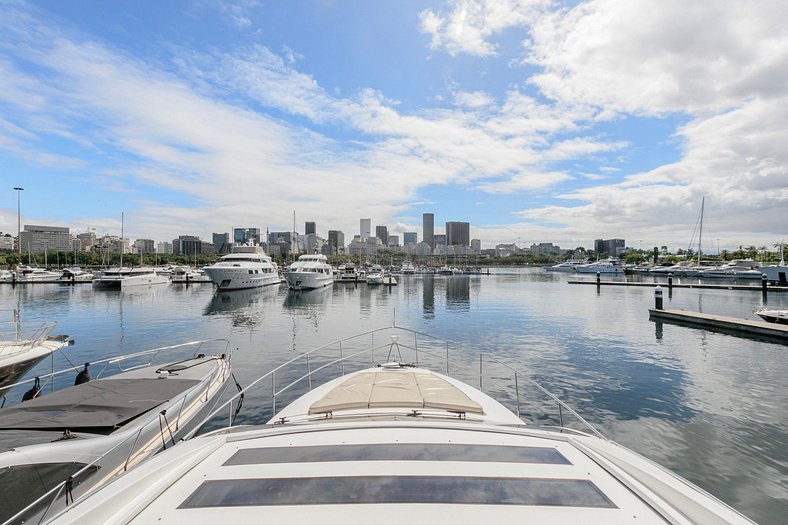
(382, 233)
(164, 248)
(544, 248)
(366, 228)
(246, 235)
(6, 242)
(336, 241)
(505, 250)
(357, 246)
(428, 229)
(609, 247)
(187, 245)
(310, 228)
(476, 245)
(87, 241)
(393, 241)
(423, 248)
(313, 243)
(221, 242)
(458, 233)
(40, 239)
(409, 238)
(144, 246)
(439, 240)
(112, 244)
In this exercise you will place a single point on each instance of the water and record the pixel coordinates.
(708, 406)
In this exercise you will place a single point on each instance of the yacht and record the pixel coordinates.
(400, 443)
(187, 274)
(610, 265)
(348, 273)
(75, 274)
(246, 267)
(33, 274)
(566, 266)
(773, 315)
(22, 346)
(735, 269)
(309, 272)
(375, 275)
(59, 446)
(125, 277)
(407, 268)
(776, 273)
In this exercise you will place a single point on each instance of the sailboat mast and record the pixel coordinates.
(121, 240)
(700, 235)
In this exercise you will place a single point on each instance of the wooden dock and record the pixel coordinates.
(749, 288)
(723, 324)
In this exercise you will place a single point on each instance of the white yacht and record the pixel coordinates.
(33, 274)
(246, 267)
(407, 268)
(75, 274)
(187, 274)
(22, 346)
(375, 275)
(125, 277)
(348, 273)
(610, 265)
(566, 266)
(773, 315)
(400, 443)
(309, 272)
(777, 273)
(58, 446)
(735, 269)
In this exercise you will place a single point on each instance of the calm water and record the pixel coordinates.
(709, 406)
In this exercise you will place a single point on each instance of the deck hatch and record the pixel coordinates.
(398, 452)
(397, 489)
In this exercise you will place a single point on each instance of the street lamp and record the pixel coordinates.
(19, 218)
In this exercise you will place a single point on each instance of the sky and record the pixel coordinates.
(534, 120)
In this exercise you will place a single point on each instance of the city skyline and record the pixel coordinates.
(535, 121)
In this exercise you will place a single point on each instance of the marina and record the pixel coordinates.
(703, 404)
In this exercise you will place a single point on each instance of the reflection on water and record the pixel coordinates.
(707, 405)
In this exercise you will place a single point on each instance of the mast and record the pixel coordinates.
(121, 240)
(700, 235)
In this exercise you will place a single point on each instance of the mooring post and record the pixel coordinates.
(658, 298)
(764, 282)
(670, 281)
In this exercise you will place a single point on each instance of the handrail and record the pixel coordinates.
(153, 430)
(344, 357)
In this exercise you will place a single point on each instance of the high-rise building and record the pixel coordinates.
(87, 240)
(336, 240)
(246, 235)
(611, 247)
(309, 227)
(393, 241)
(144, 246)
(221, 242)
(458, 233)
(476, 245)
(440, 239)
(382, 233)
(187, 245)
(366, 228)
(164, 248)
(410, 238)
(40, 239)
(428, 229)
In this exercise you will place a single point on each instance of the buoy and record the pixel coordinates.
(83, 377)
(33, 392)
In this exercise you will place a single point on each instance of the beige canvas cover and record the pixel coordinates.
(387, 388)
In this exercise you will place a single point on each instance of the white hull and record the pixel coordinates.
(308, 280)
(239, 278)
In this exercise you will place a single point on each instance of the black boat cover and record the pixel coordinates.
(98, 406)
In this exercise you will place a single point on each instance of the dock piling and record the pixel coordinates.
(658, 298)
(764, 282)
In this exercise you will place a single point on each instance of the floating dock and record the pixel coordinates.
(723, 324)
(664, 285)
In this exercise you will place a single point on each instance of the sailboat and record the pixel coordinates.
(129, 276)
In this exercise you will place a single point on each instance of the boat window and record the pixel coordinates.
(397, 489)
(399, 452)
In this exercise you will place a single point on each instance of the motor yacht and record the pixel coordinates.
(777, 273)
(735, 269)
(399, 443)
(375, 275)
(348, 273)
(57, 447)
(75, 274)
(33, 274)
(22, 346)
(309, 272)
(125, 277)
(566, 266)
(610, 265)
(187, 274)
(407, 268)
(773, 315)
(246, 267)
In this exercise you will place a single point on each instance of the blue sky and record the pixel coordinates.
(536, 121)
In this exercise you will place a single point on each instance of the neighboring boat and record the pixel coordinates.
(777, 273)
(33, 274)
(187, 274)
(445, 270)
(734, 269)
(75, 274)
(60, 446)
(22, 346)
(246, 267)
(566, 266)
(609, 265)
(375, 275)
(129, 277)
(348, 273)
(407, 268)
(773, 315)
(309, 272)
(398, 443)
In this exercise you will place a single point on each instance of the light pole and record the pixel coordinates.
(19, 218)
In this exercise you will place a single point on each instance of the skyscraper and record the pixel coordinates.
(366, 228)
(309, 227)
(410, 238)
(458, 233)
(382, 233)
(428, 227)
(336, 240)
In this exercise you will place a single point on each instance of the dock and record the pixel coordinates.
(664, 285)
(723, 324)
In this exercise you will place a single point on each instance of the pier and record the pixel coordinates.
(750, 288)
(723, 324)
